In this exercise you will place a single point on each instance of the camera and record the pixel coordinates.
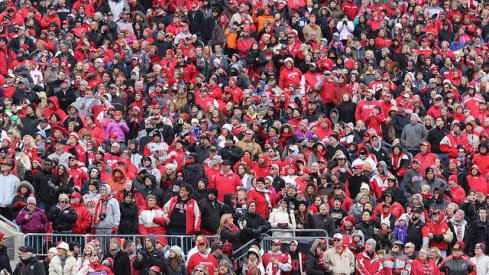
(102, 217)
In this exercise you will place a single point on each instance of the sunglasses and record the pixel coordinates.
(63, 201)
(274, 244)
(199, 270)
(337, 240)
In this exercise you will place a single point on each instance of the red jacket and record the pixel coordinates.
(449, 144)
(367, 265)
(225, 184)
(364, 108)
(287, 77)
(440, 228)
(152, 221)
(478, 183)
(84, 219)
(270, 267)
(458, 194)
(483, 162)
(210, 262)
(427, 267)
(261, 202)
(192, 211)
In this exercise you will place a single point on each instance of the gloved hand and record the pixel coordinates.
(448, 193)
(438, 237)
(92, 230)
(114, 230)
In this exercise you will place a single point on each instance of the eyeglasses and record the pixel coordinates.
(63, 201)
(336, 240)
(407, 246)
(274, 244)
(199, 270)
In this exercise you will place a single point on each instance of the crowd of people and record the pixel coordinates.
(365, 119)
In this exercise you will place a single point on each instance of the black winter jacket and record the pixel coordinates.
(129, 218)
(62, 220)
(30, 266)
(122, 263)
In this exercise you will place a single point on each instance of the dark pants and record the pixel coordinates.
(6, 212)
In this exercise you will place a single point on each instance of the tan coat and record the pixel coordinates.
(338, 264)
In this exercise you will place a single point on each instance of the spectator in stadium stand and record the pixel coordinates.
(480, 259)
(31, 218)
(44, 187)
(84, 220)
(183, 213)
(148, 257)
(275, 261)
(28, 261)
(368, 262)
(253, 262)
(338, 259)
(129, 214)
(253, 223)
(457, 263)
(417, 232)
(202, 257)
(62, 216)
(63, 262)
(95, 265)
(263, 198)
(23, 192)
(121, 259)
(413, 134)
(10, 185)
(107, 214)
(395, 262)
(152, 219)
(423, 264)
(151, 187)
(211, 209)
(226, 181)
(175, 262)
(323, 220)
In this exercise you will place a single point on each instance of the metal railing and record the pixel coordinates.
(10, 223)
(42, 242)
(266, 240)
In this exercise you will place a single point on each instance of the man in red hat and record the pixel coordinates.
(202, 257)
(84, 218)
(275, 261)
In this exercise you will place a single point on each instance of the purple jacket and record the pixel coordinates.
(120, 128)
(36, 224)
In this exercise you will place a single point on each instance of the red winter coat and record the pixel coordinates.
(478, 183)
(427, 267)
(367, 265)
(483, 162)
(440, 228)
(152, 221)
(364, 108)
(261, 202)
(449, 144)
(84, 219)
(287, 77)
(226, 184)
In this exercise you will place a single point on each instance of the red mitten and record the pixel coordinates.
(92, 230)
(114, 230)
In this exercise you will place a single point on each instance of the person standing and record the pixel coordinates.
(183, 213)
(9, 185)
(368, 262)
(28, 261)
(4, 259)
(122, 264)
(417, 232)
(480, 259)
(339, 259)
(457, 263)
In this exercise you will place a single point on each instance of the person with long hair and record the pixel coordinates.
(84, 259)
(175, 263)
(63, 263)
(228, 231)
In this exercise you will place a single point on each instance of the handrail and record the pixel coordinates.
(294, 231)
(9, 222)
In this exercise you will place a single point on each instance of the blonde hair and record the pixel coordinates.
(222, 222)
(63, 196)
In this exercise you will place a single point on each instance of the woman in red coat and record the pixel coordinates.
(476, 181)
(423, 265)
(263, 197)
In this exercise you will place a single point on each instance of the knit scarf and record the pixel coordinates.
(101, 207)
